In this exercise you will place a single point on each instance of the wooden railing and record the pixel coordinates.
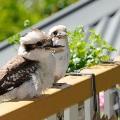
(65, 99)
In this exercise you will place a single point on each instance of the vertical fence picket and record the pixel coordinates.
(81, 113)
(53, 117)
(71, 113)
(108, 104)
(88, 107)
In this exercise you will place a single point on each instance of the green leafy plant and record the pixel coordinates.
(14, 11)
(27, 23)
(15, 39)
(86, 54)
(83, 54)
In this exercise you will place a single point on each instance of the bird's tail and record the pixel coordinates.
(8, 96)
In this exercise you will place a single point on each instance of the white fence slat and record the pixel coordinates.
(88, 107)
(71, 113)
(108, 103)
(81, 112)
(53, 117)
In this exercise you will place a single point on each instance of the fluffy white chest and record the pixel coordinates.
(31, 88)
(62, 60)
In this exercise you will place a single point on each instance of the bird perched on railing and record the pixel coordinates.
(31, 72)
(60, 37)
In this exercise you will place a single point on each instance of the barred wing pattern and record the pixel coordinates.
(16, 72)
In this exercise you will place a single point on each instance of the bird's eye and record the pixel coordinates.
(38, 43)
(55, 32)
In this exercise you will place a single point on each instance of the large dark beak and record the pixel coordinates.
(61, 34)
(51, 46)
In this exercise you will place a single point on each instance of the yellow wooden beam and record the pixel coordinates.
(76, 89)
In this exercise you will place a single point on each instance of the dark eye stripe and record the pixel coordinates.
(29, 47)
(65, 30)
(38, 43)
(55, 33)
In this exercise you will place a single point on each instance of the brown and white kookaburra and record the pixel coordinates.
(60, 37)
(31, 72)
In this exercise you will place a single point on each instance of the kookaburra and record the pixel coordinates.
(30, 72)
(60, 37)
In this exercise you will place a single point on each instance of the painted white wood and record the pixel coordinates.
(88, 108)
(53, 117)
(108, 103)
(71, 113)
(81, 112)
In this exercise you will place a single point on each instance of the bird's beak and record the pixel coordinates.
(61, 34)
(51, 46)
(57, 47)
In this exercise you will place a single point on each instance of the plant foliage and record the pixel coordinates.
(15, 39)
(85, 54)
(14, 11)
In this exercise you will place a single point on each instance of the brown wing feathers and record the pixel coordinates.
(15, 72)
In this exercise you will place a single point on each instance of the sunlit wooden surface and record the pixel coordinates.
(76, 89)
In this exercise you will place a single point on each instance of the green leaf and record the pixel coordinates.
(26, 23)
(14, 39)
(86, 54)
